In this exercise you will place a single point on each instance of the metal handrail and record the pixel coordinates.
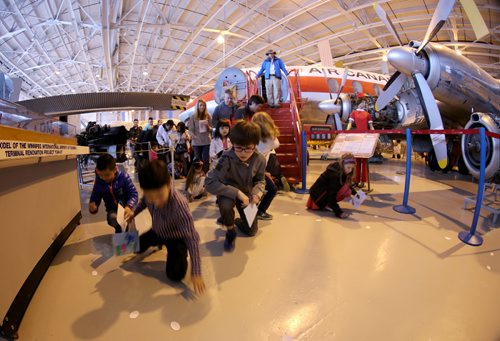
(296, 123)
(297, 84)
(252, 84)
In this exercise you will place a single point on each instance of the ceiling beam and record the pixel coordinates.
(188, 44)
(24, 74)
(354, 18)
(138, 31)
(264, 31)
(210, 47)
(106, 42)
(34, 38)
(76, 25)
(270, 28)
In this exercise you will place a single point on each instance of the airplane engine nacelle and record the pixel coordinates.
(471, 145)
(343, 106)
(409, 109)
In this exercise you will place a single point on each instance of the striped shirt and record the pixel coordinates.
(174, 221)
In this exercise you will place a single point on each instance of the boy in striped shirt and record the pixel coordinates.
(172, 224)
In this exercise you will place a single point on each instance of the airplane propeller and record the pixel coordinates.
(390, 90)
(439, 18)
(344, 79)
(433, 117)
(331, 104)
(409, 62)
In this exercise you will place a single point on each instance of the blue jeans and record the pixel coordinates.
(203, 153)
(271, 191)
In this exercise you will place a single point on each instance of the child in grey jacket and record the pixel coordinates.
(238, 180)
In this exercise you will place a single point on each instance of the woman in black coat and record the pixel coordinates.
(333, 186)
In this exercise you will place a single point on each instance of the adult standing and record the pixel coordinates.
(135, 131)
(149, 125)
(200, 128)
(226, 110)
(133, 134)
(272, 67)
(164, 140)
(362, 119)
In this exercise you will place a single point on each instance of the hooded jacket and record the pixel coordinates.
(324, 191)
(121, 190)
(232, 175)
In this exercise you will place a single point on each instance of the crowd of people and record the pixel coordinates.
(238, 179)
(236, 162)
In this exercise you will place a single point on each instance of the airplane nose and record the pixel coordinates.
(406, 61)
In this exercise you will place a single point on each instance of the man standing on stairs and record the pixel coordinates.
(272, 67)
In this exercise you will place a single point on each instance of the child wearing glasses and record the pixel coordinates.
(238, 180)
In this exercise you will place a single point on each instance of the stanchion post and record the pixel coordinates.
(172, 162)
(470, 237)
(404, 208)
(304, 189)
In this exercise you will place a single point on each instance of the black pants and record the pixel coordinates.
(271, 191)
(226, 208)
(176, 253)
(112, 221)
(203, 153)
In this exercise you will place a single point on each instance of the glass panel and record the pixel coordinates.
(17, 116)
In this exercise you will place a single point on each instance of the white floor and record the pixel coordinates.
(306, 276)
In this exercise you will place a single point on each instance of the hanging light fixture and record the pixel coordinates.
(220, 39)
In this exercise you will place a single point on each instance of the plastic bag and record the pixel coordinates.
(126, 242)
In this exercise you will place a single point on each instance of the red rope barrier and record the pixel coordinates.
(490, 134)
(402, 132)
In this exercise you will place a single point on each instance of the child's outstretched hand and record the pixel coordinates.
(129, 214)
(243, 198)
(92, 208)
(254, 199)
(198, 284)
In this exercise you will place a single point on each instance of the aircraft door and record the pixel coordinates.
(234, 79)
(285, 89)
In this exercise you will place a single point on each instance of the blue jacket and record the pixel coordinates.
(124, 192)
(266, 66)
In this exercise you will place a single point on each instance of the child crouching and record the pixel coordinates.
(195, 181)
(172, 224)
(238, 180)
(333, 186)
(115, 188)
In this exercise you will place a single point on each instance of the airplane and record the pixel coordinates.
(315, 82)
(439, 84)
(432, 84)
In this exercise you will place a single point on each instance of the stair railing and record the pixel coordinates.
(252, 83)
(296, 123)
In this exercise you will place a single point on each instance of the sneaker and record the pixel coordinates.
(118, 229)
(264, 216)
(286, 185)
(219, 221)
(230, 242)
